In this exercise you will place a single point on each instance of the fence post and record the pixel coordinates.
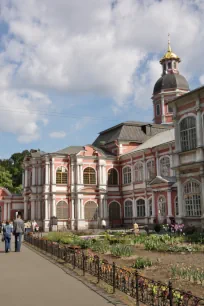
(74, 263)
(113, 277)
(136, 288)
(98, 267)
(170, 294)
(83, 263)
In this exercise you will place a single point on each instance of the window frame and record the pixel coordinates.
(150, 214)
(67, 207)
(176, 206)
(158, 107)
(188, 134)
(139, 172)
(128, 209)
(96, 214)
(149, 177)
(193, 197)
(127, 176)
(161, 170)
(116, 178)
(89, 181)
(61, 176)
(162, 211)
(141, 208)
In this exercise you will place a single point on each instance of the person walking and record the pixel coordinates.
(18, 231)
(7, 230)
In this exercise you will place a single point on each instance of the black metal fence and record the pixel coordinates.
(140, 288)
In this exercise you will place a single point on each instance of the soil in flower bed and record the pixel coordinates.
(161, 268)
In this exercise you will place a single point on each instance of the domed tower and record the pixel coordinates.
(170, 85)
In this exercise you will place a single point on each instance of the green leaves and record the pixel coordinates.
(142, 263)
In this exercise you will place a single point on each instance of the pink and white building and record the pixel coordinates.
(132, 171)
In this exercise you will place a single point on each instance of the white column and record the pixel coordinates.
(78, 175)
(33, 176)
(106, 212)
(79, 208)
(33, 210)
(199, 129)
(53, 206)
(25, 209)
(23, 179)
(134, 208)
(39, 176)
(53, 172)
(5, 211)
(9, 211)
(82, 209)
(146, 207)
(180, 198)
(104, 175)
(46, 173)
(26, 178)
(100, 208)
(153, 204)
(169, 204)
(72, 175)
(46, 210)
(73, 208)
(157, 163)
(163, 109)
(81, 174)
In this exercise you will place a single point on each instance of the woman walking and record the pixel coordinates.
(7, 230)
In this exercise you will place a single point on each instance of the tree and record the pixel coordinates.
(5, 178)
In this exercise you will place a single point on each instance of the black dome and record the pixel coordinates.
(173, 81)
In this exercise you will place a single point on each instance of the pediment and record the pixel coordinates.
(161, 180)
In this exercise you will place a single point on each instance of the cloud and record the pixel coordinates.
(60, 134)
(107, 48)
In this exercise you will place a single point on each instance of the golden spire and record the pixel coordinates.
(169, 54)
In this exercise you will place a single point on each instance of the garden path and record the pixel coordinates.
(28, 279)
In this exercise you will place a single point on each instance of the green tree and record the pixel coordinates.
(5, 178)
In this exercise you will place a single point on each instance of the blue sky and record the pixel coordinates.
(69, 71)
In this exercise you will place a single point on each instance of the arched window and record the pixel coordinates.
(127, 175)
(128, 209)
(62, 210)
(165, 166)
(162, 206)
(61, 175)
(176, 207)
(140, 208)
(150, 207)
(188, 133)
(112, 177)
(150, 169)
(192, 199)
(139, 175)
(89, 176)
(91, 211)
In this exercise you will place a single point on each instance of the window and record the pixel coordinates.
(62, 210)
(176, 206)
(61, 175)
(127, 175)
(139, 175)
(157, 109)
(89, 176)
(174, 65)
(170, 109)
(165, 166)
(150, 169)
(169, 65)
(188, 133)
(140, 208)
(192, 199)
(91, 211)
(112, 177)
(150, 207)
(128, 209)
(162, 206)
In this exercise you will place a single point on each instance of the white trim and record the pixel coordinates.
(143, 171)
(127, 166)
(95, 176)
(185, 116)
(132, 201)
(161, 157)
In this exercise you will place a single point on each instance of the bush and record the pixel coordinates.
(189, 230)
(121, 250)
(157, 228)
(142, 263)
(100, 246)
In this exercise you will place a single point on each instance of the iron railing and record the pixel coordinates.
(140, 288)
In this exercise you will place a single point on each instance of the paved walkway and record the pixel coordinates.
(28, 279)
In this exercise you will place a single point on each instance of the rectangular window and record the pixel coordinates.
(170, 109)
(157, 109)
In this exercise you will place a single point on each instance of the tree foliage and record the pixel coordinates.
(11, 172)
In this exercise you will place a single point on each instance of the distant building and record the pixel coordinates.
(132, 171)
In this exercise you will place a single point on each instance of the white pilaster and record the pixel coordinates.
(53, 206)
(157, 163)
(33, 202)
(81, 174)
(26, 178)
(46, 209)
(82, 209)
(153, 204)
(9, 211)
(5, 211)
(202, 196)
(169, 204)
(180, 198)
(46, 173)
(73, 208)
(146, 207)
(134, 208)
(163, 109)
(72, 175)
(25, 209)
(33, 176)
(39, 176)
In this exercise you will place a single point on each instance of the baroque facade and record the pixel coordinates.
(148, 172)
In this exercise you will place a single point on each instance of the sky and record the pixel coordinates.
(72, 68)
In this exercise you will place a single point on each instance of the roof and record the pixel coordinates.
(130, 131)
(171, 81)
(70, 150)
(188, 93)
(160, 179)
(158, 139)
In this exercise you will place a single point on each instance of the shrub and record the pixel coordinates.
(121, 250)
(100, 246)
(157, 228)
(142, 263)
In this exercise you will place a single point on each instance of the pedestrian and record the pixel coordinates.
(7, 230)
(18, 231)
(103, 223)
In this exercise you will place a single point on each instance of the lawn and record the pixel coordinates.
(159, 257)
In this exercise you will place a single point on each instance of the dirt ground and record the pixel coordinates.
(161, 268)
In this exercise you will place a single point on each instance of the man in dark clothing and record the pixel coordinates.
(18, 231)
